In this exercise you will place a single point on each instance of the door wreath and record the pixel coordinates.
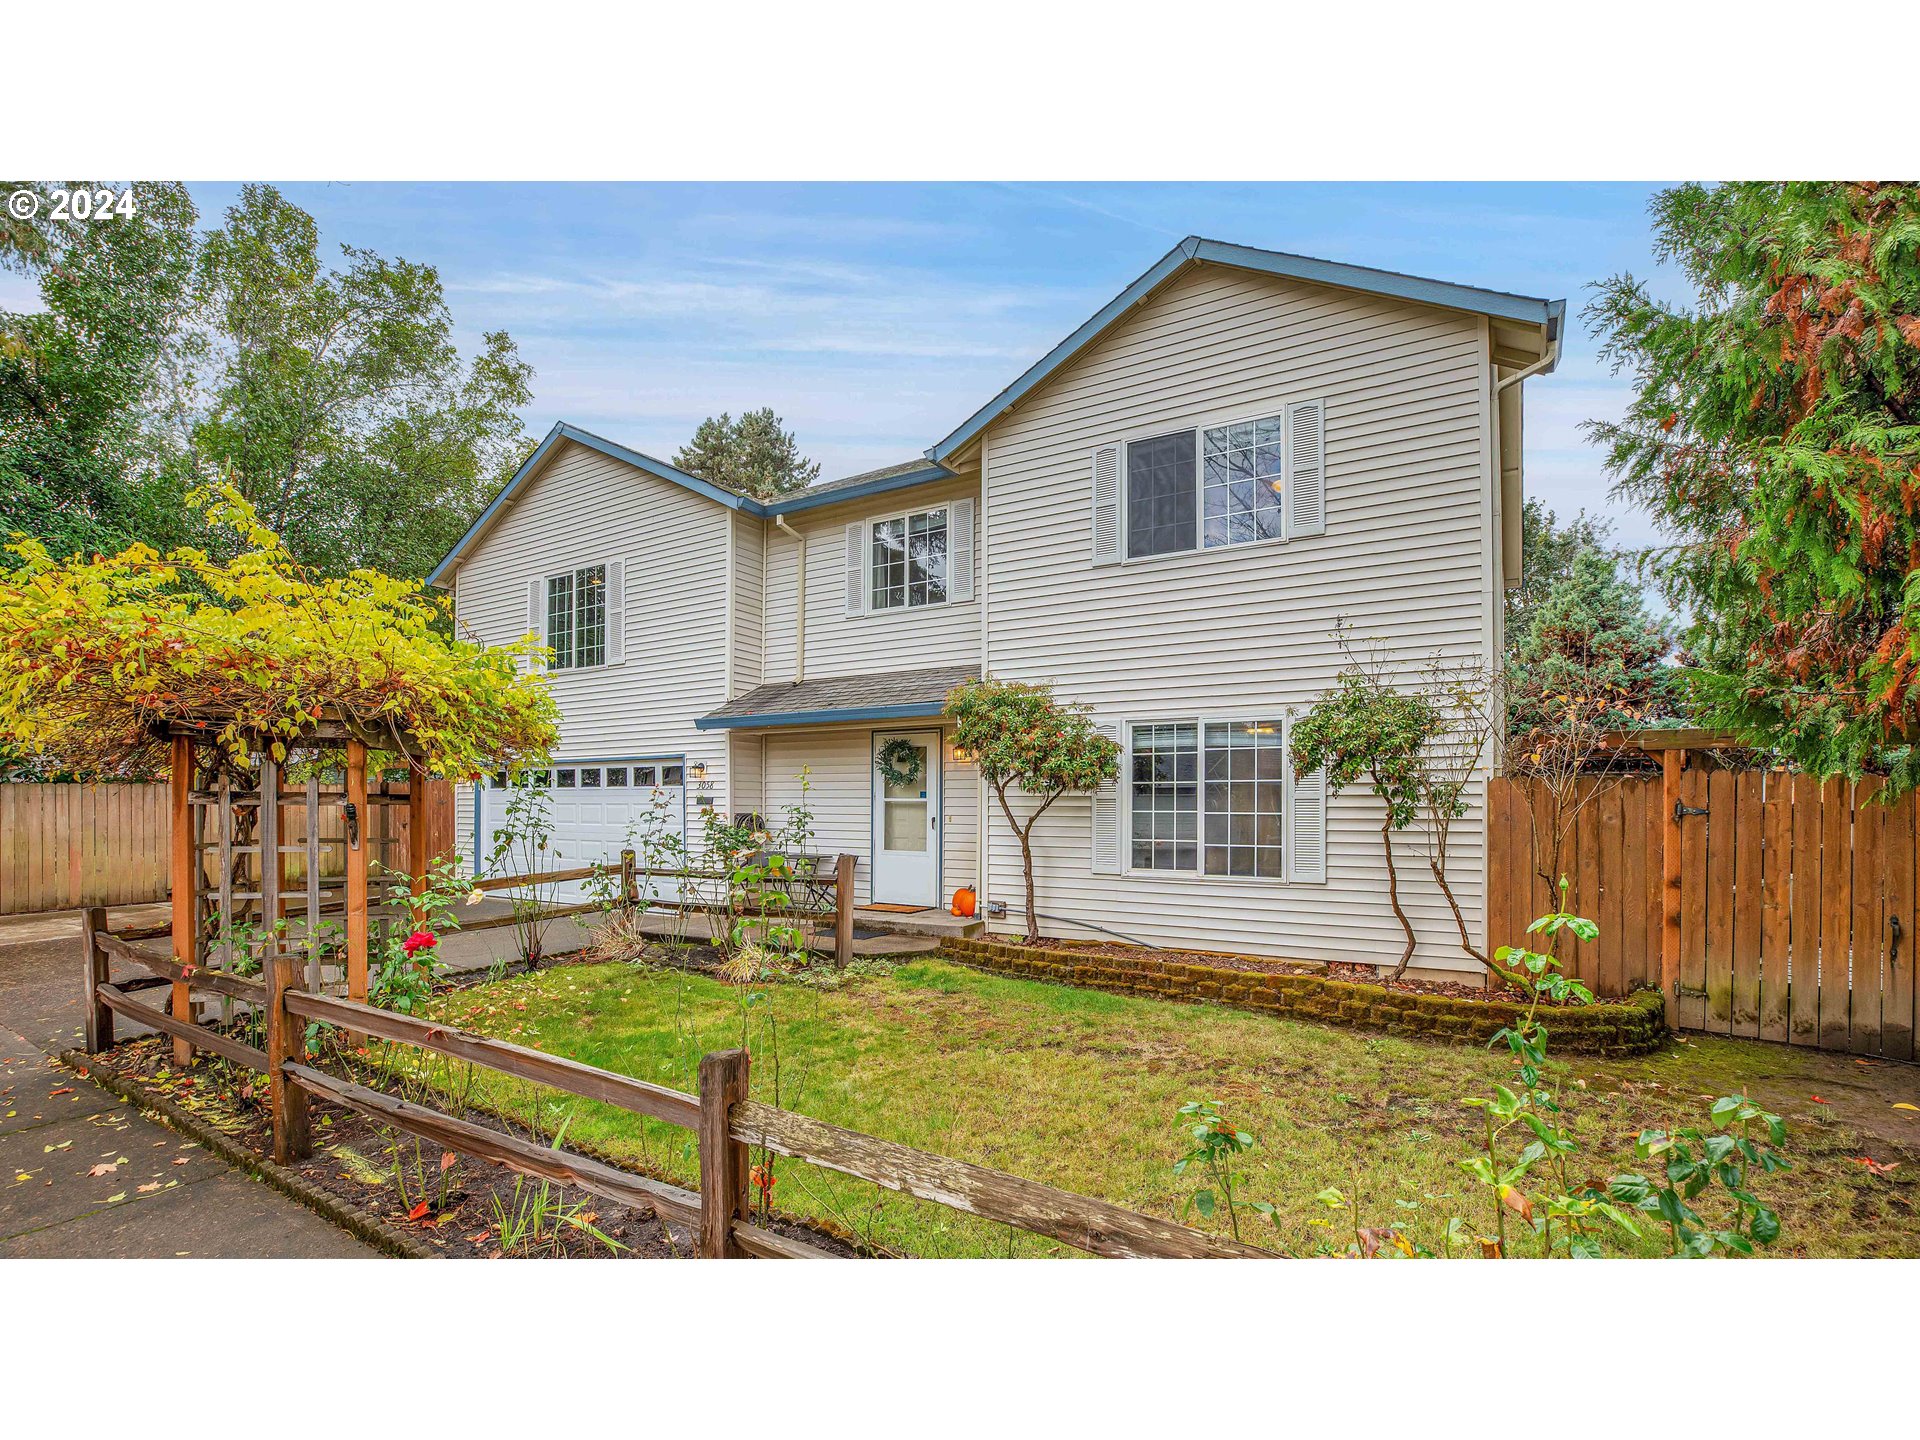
(900, 762)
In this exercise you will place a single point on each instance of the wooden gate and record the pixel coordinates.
(1796, 915)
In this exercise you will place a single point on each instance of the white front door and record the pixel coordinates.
(906, 818)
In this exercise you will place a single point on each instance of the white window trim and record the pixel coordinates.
(1200, 720)
(945, 507)
(1278, 410)
(606, 610)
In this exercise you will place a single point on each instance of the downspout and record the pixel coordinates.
(799, 601)
(1545, 362)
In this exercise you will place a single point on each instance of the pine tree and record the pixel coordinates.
(1775, 433)
(752, 456)
(1547, 551)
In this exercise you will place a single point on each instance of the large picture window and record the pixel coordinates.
(908, 565)
(1221, 783)
(577, 617)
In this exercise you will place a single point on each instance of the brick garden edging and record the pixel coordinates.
(1633, 1026)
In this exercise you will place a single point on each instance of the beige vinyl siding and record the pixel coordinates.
(842, 644)
(841, 798)
(584, 507)
(1245, 631)
(749, 596)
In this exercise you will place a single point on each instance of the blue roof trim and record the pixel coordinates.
(1496, 303)
(563, 431)
(805, 501)
(820, 717)
(1038, 372)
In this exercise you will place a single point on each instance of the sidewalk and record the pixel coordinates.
(156, 1193)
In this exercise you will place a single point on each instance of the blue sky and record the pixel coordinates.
(874, 318)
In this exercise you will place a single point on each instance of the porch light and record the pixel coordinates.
(699, 771)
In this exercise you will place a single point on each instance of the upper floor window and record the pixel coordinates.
(908, 560)
(577, 617)
(1209, 486)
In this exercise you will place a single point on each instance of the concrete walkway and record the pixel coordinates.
(83, 1174)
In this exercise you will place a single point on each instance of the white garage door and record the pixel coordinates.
(596, 809)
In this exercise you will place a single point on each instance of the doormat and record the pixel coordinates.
(897, 909)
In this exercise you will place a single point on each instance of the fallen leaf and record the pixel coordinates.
(447, 1157)
(179, 1159)
(63, 1090)
(103, 1170)
(1816, 1099)
(417, 1211)
(116, 1199)
(148, 1188)
(1903, 1105)
(1874, 1167)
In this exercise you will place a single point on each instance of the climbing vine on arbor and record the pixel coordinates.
(100, 655)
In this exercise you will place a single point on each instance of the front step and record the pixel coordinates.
(939, 924)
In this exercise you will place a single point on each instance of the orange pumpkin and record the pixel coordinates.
(964, 902)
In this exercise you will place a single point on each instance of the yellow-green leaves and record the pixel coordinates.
(98, 655)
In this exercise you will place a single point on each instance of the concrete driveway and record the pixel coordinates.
(82, 1174)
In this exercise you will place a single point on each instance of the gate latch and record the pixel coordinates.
(353, 825)
(1681, 810)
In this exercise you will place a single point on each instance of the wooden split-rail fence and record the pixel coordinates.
(1765, 905)
(724, 1121)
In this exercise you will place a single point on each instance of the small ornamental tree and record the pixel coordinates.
(99, 655)
(1021, 738)
(1365, 732)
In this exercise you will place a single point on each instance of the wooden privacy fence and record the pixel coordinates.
(63, 846)
(724, 1121)
(1765, 905)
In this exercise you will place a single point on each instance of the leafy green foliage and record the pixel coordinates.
(1695, 1163)
(337, 402)
(752, 455)
(1022, 738)
(1367, 731)
(100, 654)
(86, 460)
(1217, 1144)
(332, 397)
(1774, 433)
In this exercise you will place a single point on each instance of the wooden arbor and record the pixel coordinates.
(288, 869)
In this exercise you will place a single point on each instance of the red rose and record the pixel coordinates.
(419, 940)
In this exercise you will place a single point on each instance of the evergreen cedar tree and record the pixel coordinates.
(1023, 739)
(98, 655)
(1773, 432)
(1365, 732)
(750, 456)
(332, 396)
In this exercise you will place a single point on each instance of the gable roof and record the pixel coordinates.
(1195, 250)
(1550, 315)
(531, 465)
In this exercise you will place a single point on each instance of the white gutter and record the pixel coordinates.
(1545, 362)
(799, 601)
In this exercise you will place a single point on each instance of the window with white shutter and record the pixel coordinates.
(1106, 851)
(616, 604)
(1306, 823)
(960, 550)
(1306, 469)
(857, 568)
(1106, 505)
(537, 614)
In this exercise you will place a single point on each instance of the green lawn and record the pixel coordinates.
(1078, 1089)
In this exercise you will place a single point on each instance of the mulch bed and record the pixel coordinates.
(1456, 989)
(352, 1162)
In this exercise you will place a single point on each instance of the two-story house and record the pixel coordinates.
(1165, 516)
